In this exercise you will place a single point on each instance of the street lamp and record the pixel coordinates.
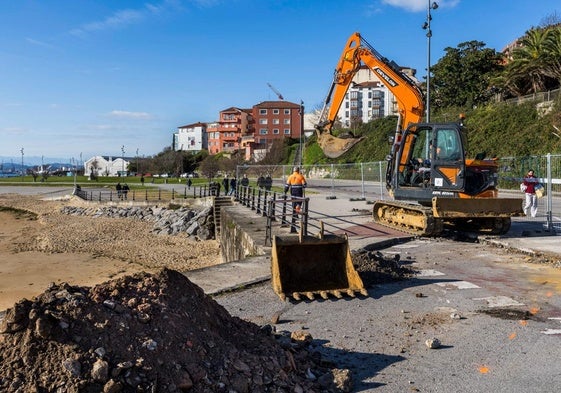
(123, 160)
(301, 131)
(22, 164)
(426, 26)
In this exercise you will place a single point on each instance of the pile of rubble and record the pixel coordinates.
(194, 222)
(151, 333)
(375, 268)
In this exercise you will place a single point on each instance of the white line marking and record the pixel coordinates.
(458, 284)
(500, 301)
(429, 273)
(551, 331)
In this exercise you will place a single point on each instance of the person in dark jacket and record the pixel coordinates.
(233, 183)
(226, 184)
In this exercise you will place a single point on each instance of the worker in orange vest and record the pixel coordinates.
(296, 183)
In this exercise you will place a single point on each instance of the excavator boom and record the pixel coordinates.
(357, 52)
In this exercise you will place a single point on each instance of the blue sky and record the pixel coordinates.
(90, 76)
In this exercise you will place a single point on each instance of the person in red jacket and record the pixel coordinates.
(296, 183)
(530, 182)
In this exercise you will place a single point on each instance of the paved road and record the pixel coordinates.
(381, 338)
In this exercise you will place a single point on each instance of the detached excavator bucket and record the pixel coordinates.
(309, 266)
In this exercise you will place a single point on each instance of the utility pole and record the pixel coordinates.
(426, 26)
(22, 164)
(123, 160)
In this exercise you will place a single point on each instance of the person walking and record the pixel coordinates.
(268, 182)
(245, 181)
(296, 183)
(529, 187)
(233, 183)
(189, 182)
(119, 188)
(226, 184)
(125, 190)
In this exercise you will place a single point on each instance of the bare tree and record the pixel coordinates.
(209, 167)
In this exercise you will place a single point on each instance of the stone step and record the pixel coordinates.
(219, 202)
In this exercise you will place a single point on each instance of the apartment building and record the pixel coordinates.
(368, 98)
(225, 135)
(255, 128)
(191, 137)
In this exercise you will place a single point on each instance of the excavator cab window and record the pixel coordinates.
(448, 146)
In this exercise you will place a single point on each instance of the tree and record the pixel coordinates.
(462, 77)
(209, 167)
(536, 62)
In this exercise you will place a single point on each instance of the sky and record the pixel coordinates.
(80, 78)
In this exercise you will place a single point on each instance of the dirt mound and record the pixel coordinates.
(375, 268)
(146, 333)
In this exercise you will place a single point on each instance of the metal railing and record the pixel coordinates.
(147, 194)
(367, 181)
(277, 207)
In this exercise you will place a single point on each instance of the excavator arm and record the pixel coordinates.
(407, 94)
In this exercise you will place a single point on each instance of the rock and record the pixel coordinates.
(72, 366)
(100, 371)
(433, 343)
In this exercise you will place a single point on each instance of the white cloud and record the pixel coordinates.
(39, 43)
(419, 5)
(123, 18)
(15, 130)
(130, 115)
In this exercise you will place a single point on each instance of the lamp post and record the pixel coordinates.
(301, 131)
(21, 164)
(426, 26)
(137, 169)
(123, 160)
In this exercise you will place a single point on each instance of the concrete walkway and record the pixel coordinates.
(342, 216)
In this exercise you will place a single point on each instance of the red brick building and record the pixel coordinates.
(254, 128)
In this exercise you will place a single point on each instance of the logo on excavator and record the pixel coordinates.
(386, 77)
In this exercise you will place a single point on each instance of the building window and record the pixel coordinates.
(276, 121)
(287, 131)
(287, 111)
(286, 121)
(263, 131)
(276, 131)
(276, 111)
(262, 121)
(262, 111)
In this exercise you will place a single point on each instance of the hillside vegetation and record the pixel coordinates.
(500, 130)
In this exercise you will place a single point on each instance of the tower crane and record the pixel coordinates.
(279, 95)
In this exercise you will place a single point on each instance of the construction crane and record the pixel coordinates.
(279, 95)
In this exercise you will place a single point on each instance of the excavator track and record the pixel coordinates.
(419, 220)
(413, 219)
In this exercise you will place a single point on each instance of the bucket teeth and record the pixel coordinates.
(296, 296)
(310, 295)
(323, 294)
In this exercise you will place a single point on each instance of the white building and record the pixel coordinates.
(107, 166)
(368, 98)
(192, 137)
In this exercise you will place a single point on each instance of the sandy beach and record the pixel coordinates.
(39, 245)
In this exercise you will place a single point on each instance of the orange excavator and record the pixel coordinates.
(433, 184)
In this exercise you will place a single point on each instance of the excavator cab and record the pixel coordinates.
(430, 163)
